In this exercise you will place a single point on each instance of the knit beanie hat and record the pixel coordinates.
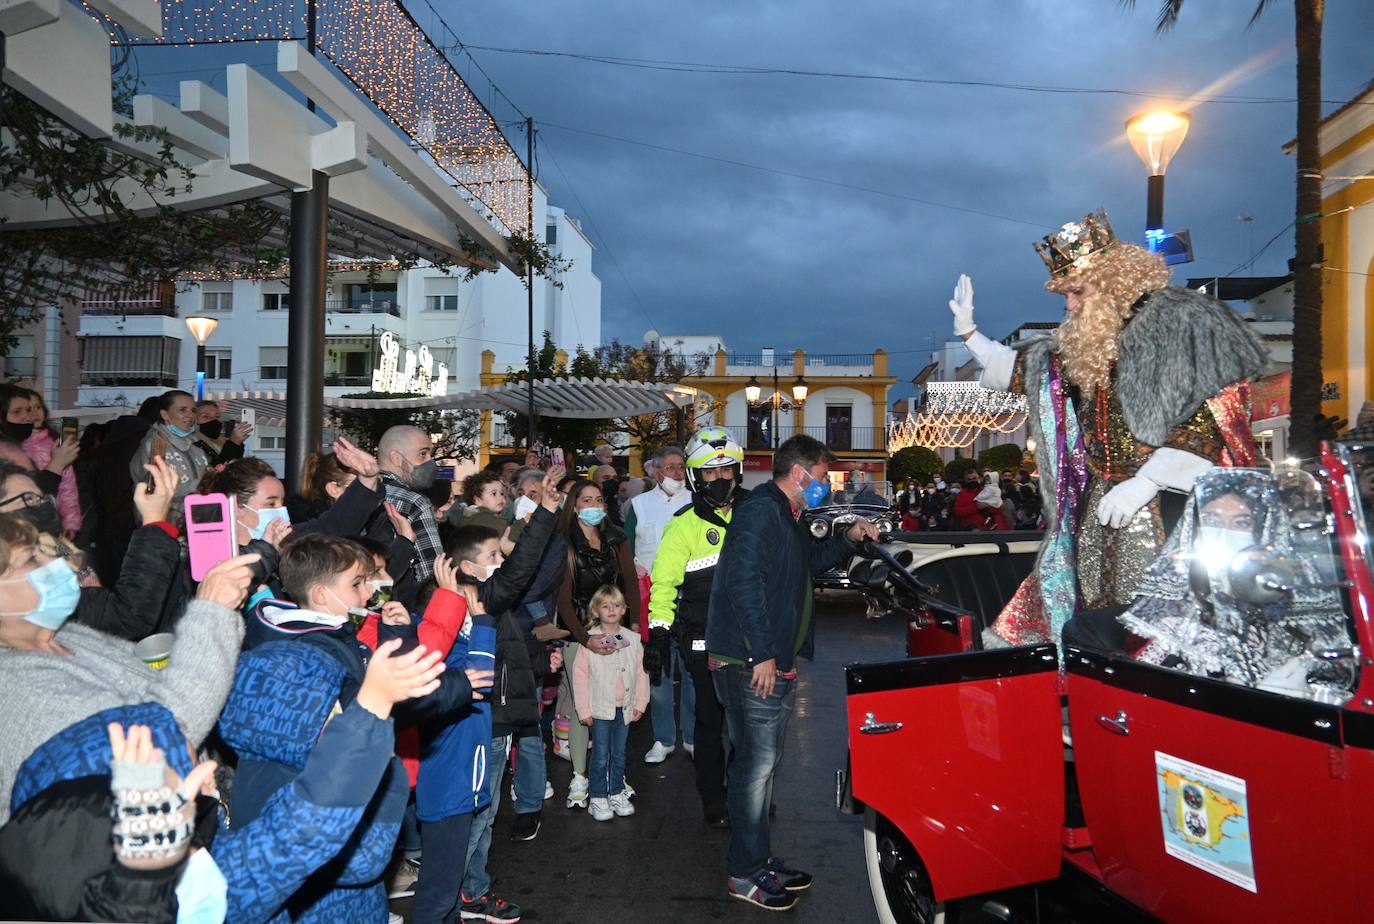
(83, 749)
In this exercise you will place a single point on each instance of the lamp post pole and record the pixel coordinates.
(777, 400)
(1156, 137)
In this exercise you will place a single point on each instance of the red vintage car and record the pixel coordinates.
(1184, 794)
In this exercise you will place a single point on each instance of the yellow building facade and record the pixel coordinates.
(1347, 164)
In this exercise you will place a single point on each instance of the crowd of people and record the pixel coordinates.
(983, 500)
(324, 721)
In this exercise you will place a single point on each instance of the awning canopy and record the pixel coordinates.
(587, 399)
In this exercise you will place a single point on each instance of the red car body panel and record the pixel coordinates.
(940, 635)
(1296, 797)
(1002, 709)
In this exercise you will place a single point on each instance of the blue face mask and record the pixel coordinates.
(202, 892)
(58, 593)
(265, 517)
(177, 431)
(592, 516)
(815, 493)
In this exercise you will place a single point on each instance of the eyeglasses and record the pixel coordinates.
(27, 499)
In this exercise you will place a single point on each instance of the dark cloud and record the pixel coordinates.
(768, 259)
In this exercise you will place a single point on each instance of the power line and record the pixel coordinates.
(697, 67)
(605, 242)
(802, 176)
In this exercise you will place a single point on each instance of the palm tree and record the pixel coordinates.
(1307, 262)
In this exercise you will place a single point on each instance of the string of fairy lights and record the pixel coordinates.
(954, 414)
(388, 57)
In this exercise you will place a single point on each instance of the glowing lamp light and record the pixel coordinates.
(201, 327)
(752, 390)
(1030, 444)
(1157, 136)
(799, 390)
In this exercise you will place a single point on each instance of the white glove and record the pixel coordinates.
(1125, 500)
(961, 306)
(1166, 468)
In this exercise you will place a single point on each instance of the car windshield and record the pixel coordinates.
(1248, 588)
(860, 494)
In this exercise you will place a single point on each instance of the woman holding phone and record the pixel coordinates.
(173, 438)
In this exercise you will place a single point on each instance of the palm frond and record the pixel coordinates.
(1260, 7)
(1168, 13)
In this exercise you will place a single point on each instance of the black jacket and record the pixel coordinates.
(57, 864)
(761, 595)
(148, 597)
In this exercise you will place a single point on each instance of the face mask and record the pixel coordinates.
(178, 431)
(524, 506)
(422, 476)
(592, 516)
(356, 613)
(212, 428)
(939, 485)
(17, 431)
(44, 517)
(58, 593)
(1223, 544)
(484, 572)
(671, 486)
(202, 893)
(718, 492)
(265, 517)
(815, 492)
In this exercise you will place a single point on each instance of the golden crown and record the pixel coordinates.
(1073, 244)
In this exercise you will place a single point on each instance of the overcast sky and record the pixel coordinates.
(771, 260)
(693, 245)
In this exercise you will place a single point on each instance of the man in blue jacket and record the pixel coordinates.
(758, 622)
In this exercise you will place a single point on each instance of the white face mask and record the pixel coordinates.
(671, 486)
(524, 506)
(484, 572)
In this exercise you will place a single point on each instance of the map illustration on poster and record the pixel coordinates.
(1206, 819)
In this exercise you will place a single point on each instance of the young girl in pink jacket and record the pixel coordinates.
(610, 692)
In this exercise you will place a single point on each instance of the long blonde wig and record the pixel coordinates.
(1089, 337)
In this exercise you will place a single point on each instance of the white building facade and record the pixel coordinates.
(133, 348)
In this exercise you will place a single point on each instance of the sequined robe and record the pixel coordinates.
(1084, 448)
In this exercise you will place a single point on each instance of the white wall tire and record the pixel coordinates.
(892, 905)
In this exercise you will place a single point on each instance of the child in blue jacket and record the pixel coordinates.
(453, 773)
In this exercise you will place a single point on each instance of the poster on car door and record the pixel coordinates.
(1206, 819)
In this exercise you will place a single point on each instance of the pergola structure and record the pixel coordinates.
(335, 163)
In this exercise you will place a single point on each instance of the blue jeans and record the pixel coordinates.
(756, 728)
(661, 704)
(446, 842)
(606, 766)
(530, 774)
(476, 882)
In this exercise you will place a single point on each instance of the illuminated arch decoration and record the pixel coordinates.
(953, 415)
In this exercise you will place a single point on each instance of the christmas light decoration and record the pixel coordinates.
(953, 416)
(378, 46)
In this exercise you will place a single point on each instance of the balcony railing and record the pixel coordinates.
(377, 307)
(838, 438)
(338, 378)
(128, 377)
(131, 307)
(783, 361)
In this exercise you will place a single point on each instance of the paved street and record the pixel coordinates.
(664, 864)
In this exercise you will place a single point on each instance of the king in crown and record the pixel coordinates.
(1142, 388)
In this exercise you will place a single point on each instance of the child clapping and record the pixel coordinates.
(610, 692)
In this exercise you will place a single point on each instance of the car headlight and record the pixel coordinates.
(820, 528)
(884, 526)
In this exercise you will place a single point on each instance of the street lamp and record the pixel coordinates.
(777, 400)
(1156, 137)
(201, 329)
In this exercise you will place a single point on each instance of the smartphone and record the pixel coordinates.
(556, 456)
(248, 416)
(210, 522)
(620, 640)
(70, 427)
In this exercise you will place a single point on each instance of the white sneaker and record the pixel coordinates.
(658, 753)
(577, 792)
(620, 804)
(601, 810)
(691, 749)
(548, 790)
(395, 918)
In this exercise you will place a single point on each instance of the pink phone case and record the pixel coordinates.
(210, 523)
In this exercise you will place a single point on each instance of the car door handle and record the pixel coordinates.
(1117, 726)
(872, 726)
